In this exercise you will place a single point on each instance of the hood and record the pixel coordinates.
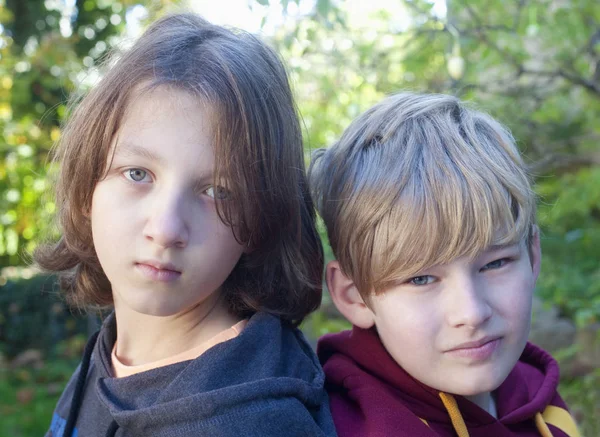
(364, 380)
(268, 361)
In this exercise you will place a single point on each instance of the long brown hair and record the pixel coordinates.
(259, 160)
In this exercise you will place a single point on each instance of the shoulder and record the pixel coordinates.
(287, 416)
(63, 406)
(273, 385)
(272, 335)
(67, 394)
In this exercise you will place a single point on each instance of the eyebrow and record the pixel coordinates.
(126, 150)
(498, 247)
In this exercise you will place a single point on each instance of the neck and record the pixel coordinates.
(143, 338)
(485, 401)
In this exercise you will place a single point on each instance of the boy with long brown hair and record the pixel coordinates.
(183, 206)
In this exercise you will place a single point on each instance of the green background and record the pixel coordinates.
(534, 65)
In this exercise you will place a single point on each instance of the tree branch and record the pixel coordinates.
(517, 17)
(478, 31)
(559, 164)
(573, 78)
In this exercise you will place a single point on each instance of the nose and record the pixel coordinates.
(166, 225)
(467, 303)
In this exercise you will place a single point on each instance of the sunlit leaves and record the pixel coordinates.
(40, 66)
(342, 67)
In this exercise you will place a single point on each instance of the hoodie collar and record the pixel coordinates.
(266, 360)
(528, 389)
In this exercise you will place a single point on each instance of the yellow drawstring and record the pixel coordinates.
(457, 421)
(461, 429)
(561, 419)
(541, 425)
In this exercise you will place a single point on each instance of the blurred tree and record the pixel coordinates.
(535, 65)
(48, 49)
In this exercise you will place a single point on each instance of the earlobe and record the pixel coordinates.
(346, 297)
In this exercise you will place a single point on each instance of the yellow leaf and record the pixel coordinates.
(7, 82)
(55, 134)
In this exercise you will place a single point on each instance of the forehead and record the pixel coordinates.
(165, 124)
(149, 104)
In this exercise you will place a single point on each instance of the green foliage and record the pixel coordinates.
(533, 65)
(321, 323)
(29, 394)
(35, 321)
(33, 316)
(38, 70)
(569, 216)
(582, 395)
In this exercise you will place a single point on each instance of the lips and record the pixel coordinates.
(478, 350)
(157, 271)
(475, 344)
(160, 266)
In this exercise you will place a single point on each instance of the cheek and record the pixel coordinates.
(411, 346)
(406, 326)
(103, 233)
(111, 220)
(513, 298)
(99, 214)
(218, 238)
(520, 310)
(106, 213)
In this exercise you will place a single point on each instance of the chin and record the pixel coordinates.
(474, 391)
(156, 309)
(481, 384)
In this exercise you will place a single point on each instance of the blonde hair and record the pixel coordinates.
(419, 180)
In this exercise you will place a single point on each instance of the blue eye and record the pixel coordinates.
(217, 193)
(136, 174)
(496, 264)
(421, 280)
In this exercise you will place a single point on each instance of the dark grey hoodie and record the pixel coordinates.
(267, 381)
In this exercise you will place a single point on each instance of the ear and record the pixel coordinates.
(535, 252)
(346, 297)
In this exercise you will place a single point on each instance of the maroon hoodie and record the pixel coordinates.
(371, 396)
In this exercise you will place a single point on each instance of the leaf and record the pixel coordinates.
(323, 7)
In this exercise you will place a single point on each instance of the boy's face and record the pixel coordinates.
(461, 327)
(155, 228)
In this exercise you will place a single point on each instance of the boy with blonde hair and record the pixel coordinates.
(431, 216)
